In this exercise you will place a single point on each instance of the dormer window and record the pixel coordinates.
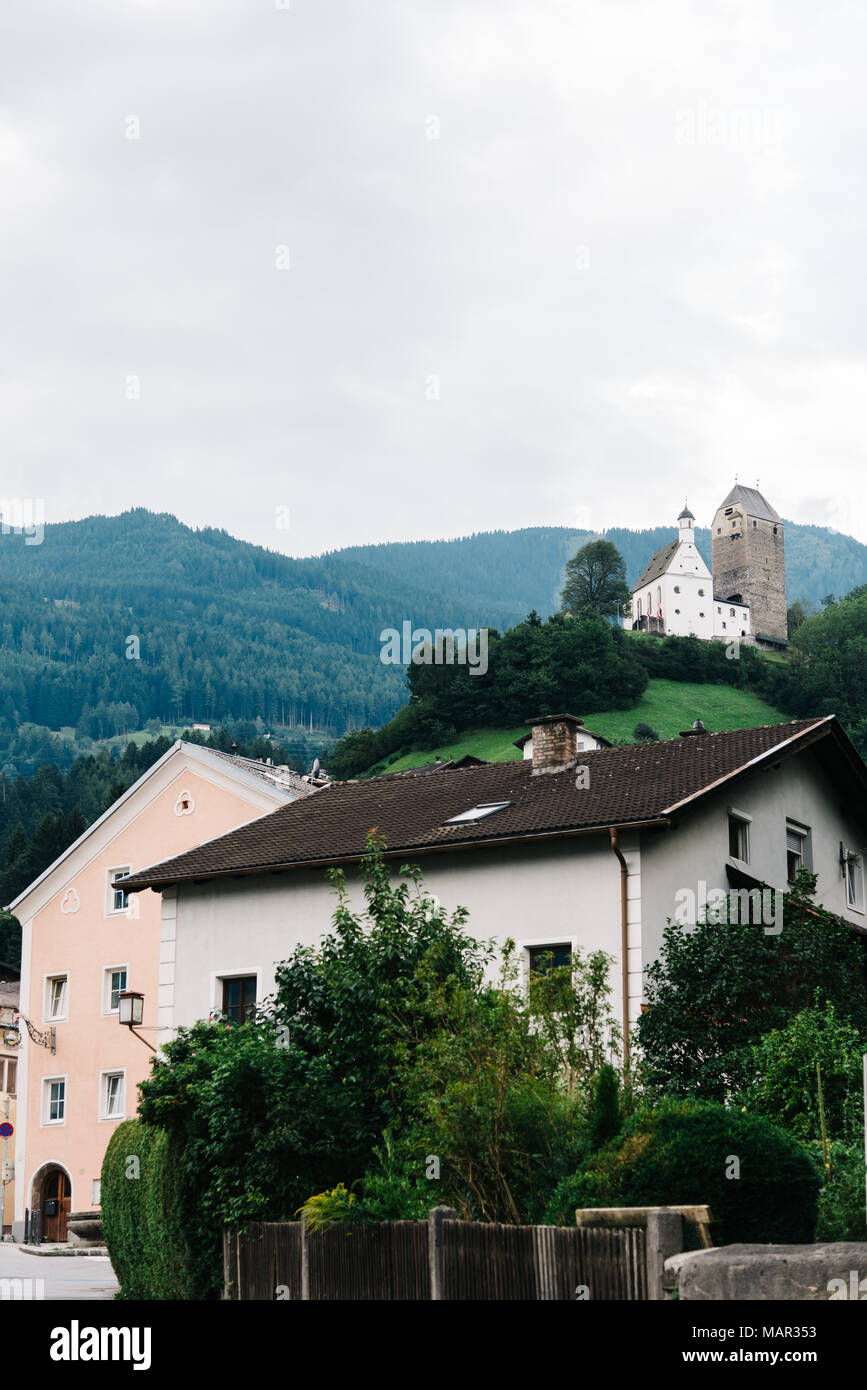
(480, 812)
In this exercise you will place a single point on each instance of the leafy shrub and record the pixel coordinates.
(785, 1084)
(679, 1153)
(718, 988)
(841, 1201)
(143, 1203)
(326, 1209)
(605, 1117)
(645, 733)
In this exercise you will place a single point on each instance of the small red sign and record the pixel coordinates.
(6, 1130)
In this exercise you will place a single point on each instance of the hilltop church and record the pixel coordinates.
(744, 597)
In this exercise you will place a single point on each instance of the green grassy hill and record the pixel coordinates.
(668, 706)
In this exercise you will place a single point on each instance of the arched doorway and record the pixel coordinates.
(51, 1193)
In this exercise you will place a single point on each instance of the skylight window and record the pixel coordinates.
(485, 808)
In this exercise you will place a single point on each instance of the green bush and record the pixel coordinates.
(644, 733)
(784, 1084)
(605, 1117)
(841, 1201)
(680, 1153)
(142, 1213)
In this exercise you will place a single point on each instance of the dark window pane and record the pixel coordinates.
(239, 998)
(544, 959)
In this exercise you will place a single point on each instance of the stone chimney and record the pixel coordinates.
(555, 742)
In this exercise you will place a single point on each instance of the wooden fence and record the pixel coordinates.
(441, 1258)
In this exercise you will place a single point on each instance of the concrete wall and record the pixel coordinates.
(761, 1273)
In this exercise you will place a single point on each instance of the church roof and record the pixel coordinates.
(658, 564)
(752, 501)
(686, 513)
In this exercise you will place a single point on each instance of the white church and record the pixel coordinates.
(675, 594)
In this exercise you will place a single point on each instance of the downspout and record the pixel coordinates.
(624, 942)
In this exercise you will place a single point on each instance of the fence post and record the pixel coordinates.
(305, 1262)
(435, 1220)
(230, 1237)
(664, 1238)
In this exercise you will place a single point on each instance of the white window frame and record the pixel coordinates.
(797, 828)
(732, 813)
(96, 1192)
(48, 980)
(45, 1100)
(104, 1116)
(858, 861)
(539, 943)
(5, 1063)
(217, 978)
(110, 909)
(105, 1003)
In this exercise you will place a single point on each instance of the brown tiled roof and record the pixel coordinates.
(627, 786)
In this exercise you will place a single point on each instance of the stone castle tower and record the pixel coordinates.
(749, 564)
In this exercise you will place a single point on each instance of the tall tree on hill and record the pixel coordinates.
(595, 578)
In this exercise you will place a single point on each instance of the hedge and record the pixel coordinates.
(143, 1201)
(682, 1151)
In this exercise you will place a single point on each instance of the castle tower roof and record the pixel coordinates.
(752, 501)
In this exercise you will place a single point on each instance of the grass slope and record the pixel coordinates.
(669, 706)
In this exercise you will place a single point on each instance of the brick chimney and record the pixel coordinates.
(555, 742)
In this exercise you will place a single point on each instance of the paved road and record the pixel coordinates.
(64, 1276)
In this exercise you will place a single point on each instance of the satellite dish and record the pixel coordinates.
(315, 769)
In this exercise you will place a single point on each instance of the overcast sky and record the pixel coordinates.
(416, 269)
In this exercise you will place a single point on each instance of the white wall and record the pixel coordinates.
(538, 894)
(566, 891)
(698, 848)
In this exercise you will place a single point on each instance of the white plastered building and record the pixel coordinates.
(675, 594)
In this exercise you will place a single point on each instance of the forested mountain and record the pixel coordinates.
(220, 629)
(524, 569)
(115, 621)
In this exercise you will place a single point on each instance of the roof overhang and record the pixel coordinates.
(827, 727)
(137, 883)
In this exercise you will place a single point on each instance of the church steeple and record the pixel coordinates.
(685, 523)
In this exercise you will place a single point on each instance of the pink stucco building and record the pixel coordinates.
(85, 941)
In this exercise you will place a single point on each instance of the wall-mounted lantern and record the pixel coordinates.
(130, 1012)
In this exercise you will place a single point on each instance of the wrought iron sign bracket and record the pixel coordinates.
(47, 1039)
